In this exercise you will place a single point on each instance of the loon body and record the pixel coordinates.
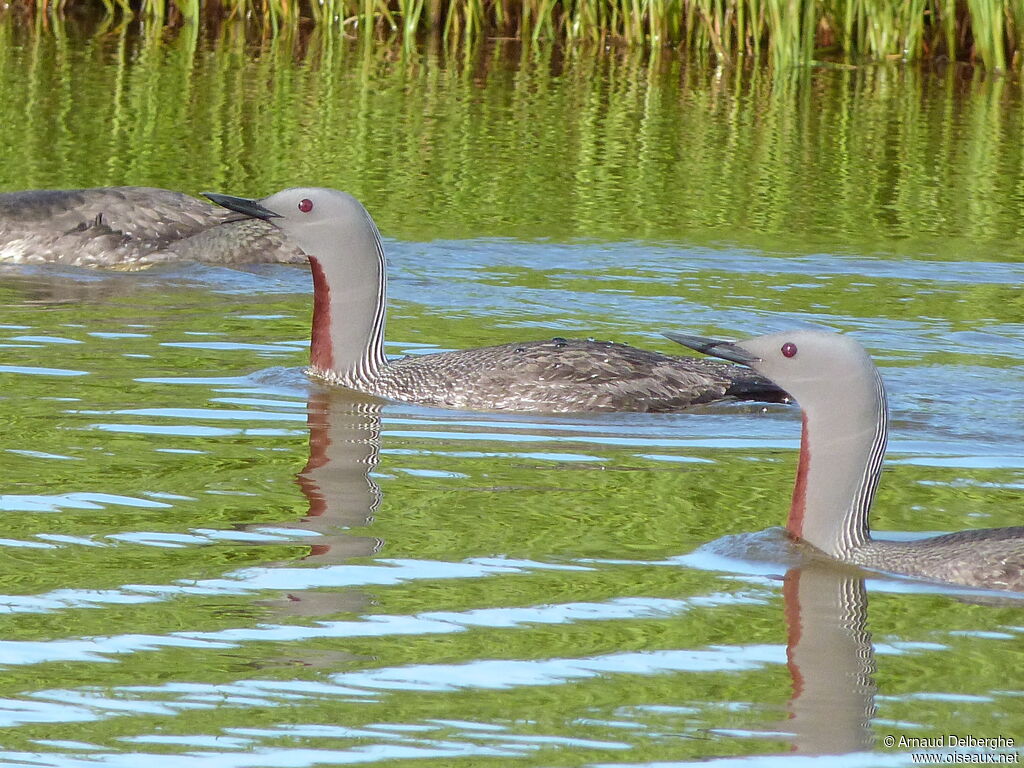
(346, 255)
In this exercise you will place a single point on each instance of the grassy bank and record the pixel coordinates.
(788, 31)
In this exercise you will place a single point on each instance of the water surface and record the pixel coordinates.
(210, 560)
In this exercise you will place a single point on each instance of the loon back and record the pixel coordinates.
(566, 376)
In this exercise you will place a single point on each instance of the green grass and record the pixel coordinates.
(990, 32)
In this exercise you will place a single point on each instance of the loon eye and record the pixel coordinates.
(789, 349)
(305, 205)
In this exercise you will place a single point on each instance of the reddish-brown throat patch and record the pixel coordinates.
(795, 524)
(321, 352)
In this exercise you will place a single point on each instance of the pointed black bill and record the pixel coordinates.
(242, 205)
(723, 349)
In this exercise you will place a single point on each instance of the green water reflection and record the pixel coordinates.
(242, 591)
(531, 143)
(207, 558)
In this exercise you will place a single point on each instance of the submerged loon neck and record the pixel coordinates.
(841, 451)
(349, 302)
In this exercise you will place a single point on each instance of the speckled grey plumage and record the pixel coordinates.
(991, 558)
(131, 228)
(562, 375)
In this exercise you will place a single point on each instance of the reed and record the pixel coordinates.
(790, 32)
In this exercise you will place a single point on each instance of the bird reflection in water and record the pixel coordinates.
(830, 655)
(830, 659)
(344, 442)
(344, 446)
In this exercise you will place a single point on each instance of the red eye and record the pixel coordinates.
(789, 349)
(305, 205)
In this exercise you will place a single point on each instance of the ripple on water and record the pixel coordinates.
(213, 561)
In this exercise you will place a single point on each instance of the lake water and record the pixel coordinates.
(209, 560)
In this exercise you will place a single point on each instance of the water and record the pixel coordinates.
(210, 560)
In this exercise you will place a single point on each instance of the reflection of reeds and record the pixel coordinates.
(792, 31)
(526, 141)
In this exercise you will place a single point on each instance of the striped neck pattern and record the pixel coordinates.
(842, 447)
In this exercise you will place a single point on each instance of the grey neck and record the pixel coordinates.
(349, 304)
(841, 454)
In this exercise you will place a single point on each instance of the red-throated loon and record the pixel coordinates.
(564, 375)
(845, 428)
